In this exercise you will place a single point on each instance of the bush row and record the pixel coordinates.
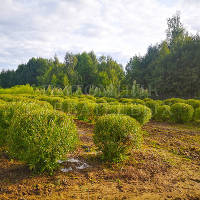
(87, 107)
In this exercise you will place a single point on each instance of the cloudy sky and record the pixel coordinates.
(119, 28)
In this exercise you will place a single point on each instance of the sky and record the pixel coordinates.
(118, 28)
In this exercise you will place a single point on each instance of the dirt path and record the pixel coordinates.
(166, 167)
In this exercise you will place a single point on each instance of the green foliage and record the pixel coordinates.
(78, 91)
(41, 137)
(197, 114)
(182, 112)
(18, 89)
(56, 102)
(163, 113)
(140, 112)
(172, 101)
(115, 135)
(109, 99)
(69, 105)
(125, 100)
(193, 102)
(6, 114)
(67, 91)
(85, 110)
(101, 100)
(138, 92)
(170, 68)
(138, 101)
(153, 105)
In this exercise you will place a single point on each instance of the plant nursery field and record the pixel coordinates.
(83, 147)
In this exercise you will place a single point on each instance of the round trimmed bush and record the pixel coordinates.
(172, 101)
(125, 100)
(153, 105)
(140, 112)
(115, 135)
(163, 113)
(138, 101)
(5, 119)
(182, 112)
(69, 106)
(101, 100)
(109, 99)
(41, 137)
(194, 103)
(197, 114)
(85, 111)
(2, 102)
(100, 109)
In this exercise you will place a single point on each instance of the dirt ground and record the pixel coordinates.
(166, 167)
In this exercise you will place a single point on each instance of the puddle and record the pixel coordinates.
(72, 164)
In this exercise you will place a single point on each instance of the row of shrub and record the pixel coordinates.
(35, 134)
(88, 107)
(40, 136)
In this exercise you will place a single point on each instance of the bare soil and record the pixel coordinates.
(166, 167)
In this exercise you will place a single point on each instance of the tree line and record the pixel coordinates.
(170, 68)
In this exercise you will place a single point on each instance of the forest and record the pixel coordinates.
(170, 68)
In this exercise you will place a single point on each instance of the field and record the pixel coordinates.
(166, 166)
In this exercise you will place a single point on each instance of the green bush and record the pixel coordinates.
(6, 114)
(140, 112)
(114, 103)
(2, 102)
(101, 100)
(153, 105)
(163, 113)
(114, 109)
(70, 106)
(92, 98)
(56, 102)
(18, 89)
(115, 135)
(197, 114)
(100, 109)
(85, 111)
(109, 99)
(125, 100)
(193, 102)
(41, 137)
(182, 112)
(172, 101)
(138, 101)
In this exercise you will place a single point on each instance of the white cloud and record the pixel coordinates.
(120, 28)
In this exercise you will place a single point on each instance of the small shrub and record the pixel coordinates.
(163, 113)
(85, 110)
(109, 99)
(115, 135)
(41, 137)
(100, 109)
(138, 101)
(101, 100)
(125, 100)
(153, 105)
(197, 114)
(114, 109)
(182, 112)
(193, 102)
(5, 120)
(140, 112)
(172, 101)
(56, 102)
(69, 106)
